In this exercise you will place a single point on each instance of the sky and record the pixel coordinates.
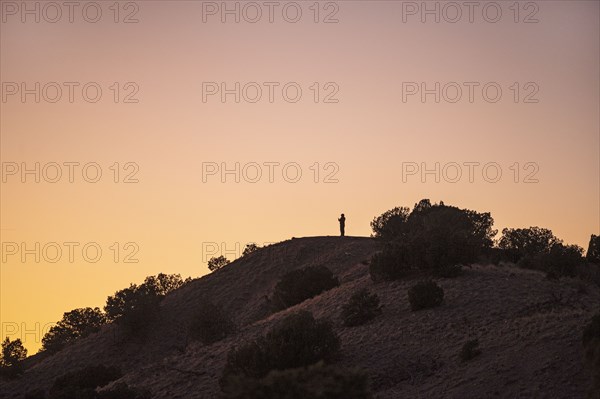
(146, 137)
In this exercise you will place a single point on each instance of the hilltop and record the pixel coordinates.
(529, 329)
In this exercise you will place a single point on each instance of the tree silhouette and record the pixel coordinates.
(531, 241)
(252, 247)
(389, 224)
(593, 252)
(432, 237)
(77, 323)
(136, 306)
(11, 356)
(215, 263)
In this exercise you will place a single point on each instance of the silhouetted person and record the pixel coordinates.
(342, 221)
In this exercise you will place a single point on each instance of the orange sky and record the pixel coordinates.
(374, 53)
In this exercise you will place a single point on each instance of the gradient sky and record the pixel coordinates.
(170, 214)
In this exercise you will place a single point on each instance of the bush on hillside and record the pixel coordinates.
(12, 355)
(528, 242)
(298, 340)
(559, 261)
(395, 261)
(433, 238)
(390, 224)
(593, 252)
(318, 381)
(77, 323)
(563, 260)
(252, 247)
(210, 323)
(361, 308)
(215, 263)
(137, 306)
(302, 284)
(425, 295)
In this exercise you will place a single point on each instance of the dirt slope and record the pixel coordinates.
(529, 329)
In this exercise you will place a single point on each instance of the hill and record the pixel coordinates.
(529, 329)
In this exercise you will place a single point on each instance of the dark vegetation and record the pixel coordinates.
(361, 308)
(437, 239)
(593, 252)
(432, 238)
(537, 248)
(77, 323)
(215, 263)
(302, 284)
(135, 307)
(425, 295)
(11, 357)
(296, 357)
(296, 341)
(252, 247)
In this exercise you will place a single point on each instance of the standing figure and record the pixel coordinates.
(342, 221)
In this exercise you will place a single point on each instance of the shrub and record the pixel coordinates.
(319, 381)
(396, 261)
(215, 263)
(593, 252)
(560, 261)
(470, 350)
(563, 260)
(432, 237)
(424, 295)
(82, 383)
(162, 284)
(532, 241)
(298, 340)
(591, 345)
(390, 224)
(210, 324)
(362, 307)
(252, 247)
(137, 306)
(11, 357)
(123, 391)
(302, 284)
(75, 324)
